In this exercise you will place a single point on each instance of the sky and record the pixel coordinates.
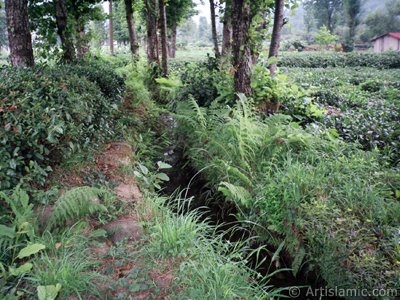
(203, 9)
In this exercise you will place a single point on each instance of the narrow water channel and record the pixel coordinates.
(204, 198)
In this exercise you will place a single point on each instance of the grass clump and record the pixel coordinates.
(207, 266)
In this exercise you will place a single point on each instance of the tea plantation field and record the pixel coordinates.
(361, 103)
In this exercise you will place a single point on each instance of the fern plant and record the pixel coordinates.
(77, 203)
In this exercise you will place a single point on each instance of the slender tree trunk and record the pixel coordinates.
(276, 33)
(131, 27)
(214, 28)
(19, 36)
(111, 27)
(65, 36)
(330, 16)
(164, 40)
(151, 7)
(227, 29)
(241, 21)
(82, 48)
(173, 40)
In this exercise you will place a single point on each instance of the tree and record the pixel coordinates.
(131, 27)
(227, 29)
(241, 22)
(214, 28)
(67, 43)
(352, 10)
(276, 32)
(3, 26)
(46, 21)
(19, 36)
(324, 37)
(204, 30)
(111, 27)
(151, 16)
(82, 12)
(177, 12)
(326, 12)
(382, 21)
(164, 42)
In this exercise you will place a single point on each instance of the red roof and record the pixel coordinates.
(395, 35)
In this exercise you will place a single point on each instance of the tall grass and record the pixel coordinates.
(210, 267)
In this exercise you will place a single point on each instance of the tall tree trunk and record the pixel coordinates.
(214, 29)
(276, 33)
(67, 44)
(241, 21)
(164, 40)
(111, 27)
(173, 40)
(82, 48)
(151, 8)
(227, 29)
(19, 36)
(330, 18)
(131, 27)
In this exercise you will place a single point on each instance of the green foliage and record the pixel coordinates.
(326, 12)
(77, 203)
(48, 292)
(384, 20)
(387, 60)
(65, 265)
(294, 183)
(17, 240)
(102, 74)
(361, 104)
(50, 112)
(153, 180)
(323, 37)
(204, 81)
(209, 266)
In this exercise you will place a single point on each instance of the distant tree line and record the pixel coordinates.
(346, 16)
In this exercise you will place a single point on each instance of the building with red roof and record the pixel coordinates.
(389, 41)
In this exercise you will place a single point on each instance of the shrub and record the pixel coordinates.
(101, 73)
(388, 60)
(361, 103)
(205, 82)
(46, 114)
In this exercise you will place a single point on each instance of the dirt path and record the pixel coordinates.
(126, 271)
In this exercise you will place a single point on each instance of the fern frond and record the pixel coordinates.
(77, 203)
(236, 193)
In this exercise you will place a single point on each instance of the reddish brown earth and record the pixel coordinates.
(125, 271)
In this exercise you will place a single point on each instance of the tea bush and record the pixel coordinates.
(362, 104)
(46, 113)
(334, 205)
(205, 82)
(101, 73)
(387, 60)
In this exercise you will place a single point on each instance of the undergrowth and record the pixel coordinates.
(334, 206)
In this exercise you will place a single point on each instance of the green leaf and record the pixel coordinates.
(25, 268)
(48, 292)
(162, 165)
(162, 176)
(30, 250)
(98, 233)
(144, 170)
(7, 231)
